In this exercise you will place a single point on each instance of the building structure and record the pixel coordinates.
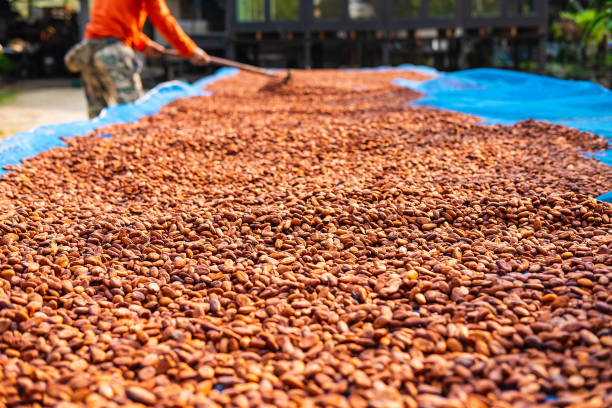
(448, 34)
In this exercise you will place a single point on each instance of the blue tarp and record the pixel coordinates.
(28, 144)
(505, 97)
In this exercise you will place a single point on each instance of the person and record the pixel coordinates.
(106, 58)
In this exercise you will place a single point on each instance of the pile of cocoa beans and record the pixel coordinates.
(317, 244)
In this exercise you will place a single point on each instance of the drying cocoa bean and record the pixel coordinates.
(321, 243)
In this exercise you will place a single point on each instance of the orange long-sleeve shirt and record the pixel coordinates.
(124, 19)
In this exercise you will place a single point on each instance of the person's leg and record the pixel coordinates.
(95, 94)
(121, 72)
(80, 59)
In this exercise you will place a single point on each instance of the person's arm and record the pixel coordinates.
(147, 46)
(160, 16)
(141, 41)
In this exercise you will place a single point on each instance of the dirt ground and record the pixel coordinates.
(41, 102)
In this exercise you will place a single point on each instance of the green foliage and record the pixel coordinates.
(582, 21)
(280, 10)
(21, 6)
(331, 8)
(600, 24)
(406, 8)
(441, 8)
(530, 66)
(284, 9)
(521, 7)
(7, 96)
(486, 7)
(581, 35)
(592, 24)
(251, 10)
(6, 65)
(575, 71)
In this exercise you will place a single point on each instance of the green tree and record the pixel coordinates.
(593, 24)
(600, 27)
(588, 29)
(600, 24)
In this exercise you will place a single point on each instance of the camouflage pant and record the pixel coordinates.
(110, 72)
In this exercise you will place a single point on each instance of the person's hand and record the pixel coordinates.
(153, 50)
(199, 57)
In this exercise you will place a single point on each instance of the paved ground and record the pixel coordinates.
(41, 102)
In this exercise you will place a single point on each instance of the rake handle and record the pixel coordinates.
(245, 67)
(228, 63)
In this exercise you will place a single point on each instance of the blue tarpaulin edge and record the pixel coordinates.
(506, 97)
(28, 144)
